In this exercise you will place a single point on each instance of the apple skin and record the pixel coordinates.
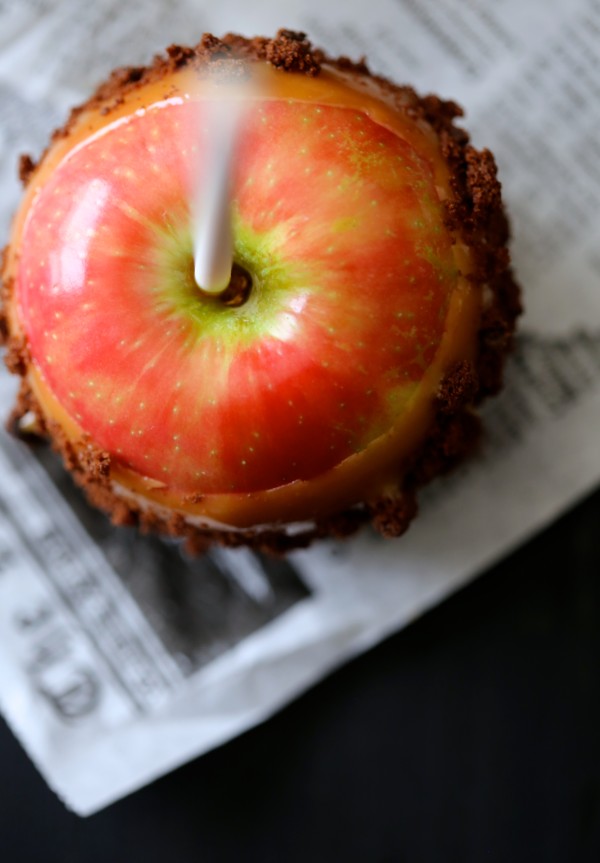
(312, 396)
(317, 364)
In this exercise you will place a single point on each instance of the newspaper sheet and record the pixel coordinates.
(120, 658)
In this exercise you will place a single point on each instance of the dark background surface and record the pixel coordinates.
(473, 735)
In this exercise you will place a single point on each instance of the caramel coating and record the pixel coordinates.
(474, 211)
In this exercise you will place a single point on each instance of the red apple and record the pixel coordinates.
(307, 387)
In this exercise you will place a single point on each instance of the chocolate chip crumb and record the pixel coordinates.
(292, 52)
(26, 168)
(17, 356)
(392, 516)
(179, 55)
(458, 388)
(95, 462)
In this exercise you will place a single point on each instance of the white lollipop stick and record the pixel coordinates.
(213, 241)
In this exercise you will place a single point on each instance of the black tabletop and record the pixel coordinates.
(473, 735)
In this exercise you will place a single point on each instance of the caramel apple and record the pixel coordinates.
(370, 306)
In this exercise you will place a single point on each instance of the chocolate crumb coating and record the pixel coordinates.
(474, 209)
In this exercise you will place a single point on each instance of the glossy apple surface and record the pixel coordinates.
(338, 221)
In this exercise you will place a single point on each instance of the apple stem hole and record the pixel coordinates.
(238, 290)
